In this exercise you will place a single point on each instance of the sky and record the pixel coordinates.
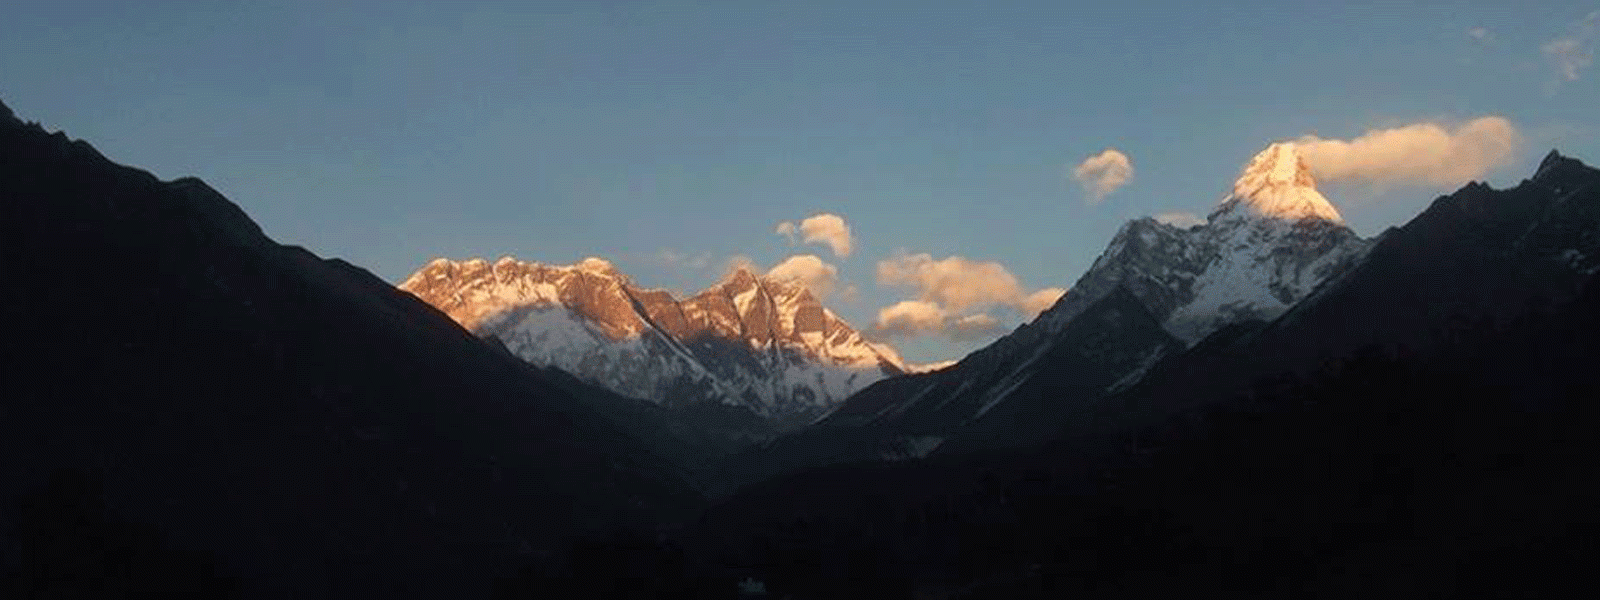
(979, 154)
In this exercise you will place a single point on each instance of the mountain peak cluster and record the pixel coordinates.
(1266, 245)
(764, 344)
(1263, 404)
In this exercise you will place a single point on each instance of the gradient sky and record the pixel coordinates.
(389, 133)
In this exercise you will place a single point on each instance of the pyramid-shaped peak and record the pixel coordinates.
(1279, 165)
(1277, 183)
(739, 276)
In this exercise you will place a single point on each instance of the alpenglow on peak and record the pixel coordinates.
(1278, 184)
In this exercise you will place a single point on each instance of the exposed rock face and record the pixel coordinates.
(1155, 290)
(1266, 245)
(748, 340)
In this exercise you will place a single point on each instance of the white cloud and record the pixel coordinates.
(829, 229)
(822, 228)
(1181, 220)
(1103, 173)
(912, 317)
(948, 294)
(809, 271)
(1420, 153)
(1572, 53)
(739, 262)
(954, 282)
(786, 229)
(909, 318)
(1482, 34)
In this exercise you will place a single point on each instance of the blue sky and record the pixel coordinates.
(389, 133)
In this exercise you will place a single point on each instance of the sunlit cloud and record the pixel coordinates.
(911, 318)
(1103, 173)
(823, 228)
(809, 271)
(1037, 302)
(1420, 153)
(949, 295)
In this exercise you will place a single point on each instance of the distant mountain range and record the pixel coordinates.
(1413, 424)
(1263, 405)
(761, 343)
(1155, 290)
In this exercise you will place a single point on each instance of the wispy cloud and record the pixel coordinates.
(950, 296)
(1420, 153)
(1572, 53)
(1103, 173)
(823, 228)
(1180, 220)
(1481, 34)
(683, 260)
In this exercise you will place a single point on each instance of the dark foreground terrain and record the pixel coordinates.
(193, 410)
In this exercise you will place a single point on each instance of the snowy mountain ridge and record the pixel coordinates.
(1268, 243)
(1265, 246)
(759, 342)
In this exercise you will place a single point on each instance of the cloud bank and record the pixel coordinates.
(823, 228)
(1420, 153)
(1103, 173)
(949, 296)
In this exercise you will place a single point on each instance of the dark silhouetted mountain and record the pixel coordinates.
(1420, 426)
(210, 402)
(1472, 261)
(910, 417)
(1156, 289)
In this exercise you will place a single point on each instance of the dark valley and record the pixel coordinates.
(1262, 404)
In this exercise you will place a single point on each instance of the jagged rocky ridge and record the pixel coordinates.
(1418, 426)
(758, 342)
(1268, 244)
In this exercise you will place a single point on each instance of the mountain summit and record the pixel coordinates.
(1278, 184)
(763, 343)
(1271, 240)
(1156, 289)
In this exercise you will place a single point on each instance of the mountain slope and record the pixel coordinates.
(1473, 261)
(318, 432)
(1269, 242)
(1416, 428)
(762, 343)
(957, 410)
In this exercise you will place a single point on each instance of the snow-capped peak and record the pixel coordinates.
(596, 265)
(766, 343)
(1278, 184)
